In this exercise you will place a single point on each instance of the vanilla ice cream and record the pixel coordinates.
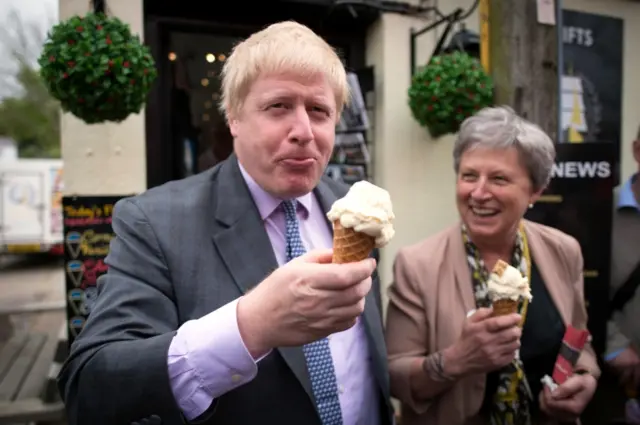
(367, 209)
(511, 285)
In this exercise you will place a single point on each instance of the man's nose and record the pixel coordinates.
(301, 127)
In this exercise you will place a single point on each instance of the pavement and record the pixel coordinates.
(28, 283)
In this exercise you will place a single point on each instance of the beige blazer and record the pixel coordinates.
(431, 296)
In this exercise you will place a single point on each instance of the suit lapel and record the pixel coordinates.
(245, 248)
(243, 243)
(548, 266)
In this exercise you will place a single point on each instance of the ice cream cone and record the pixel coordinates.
(504, 307)
(350, 246)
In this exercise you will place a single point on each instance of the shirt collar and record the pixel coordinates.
(268, 203)
(626, 197)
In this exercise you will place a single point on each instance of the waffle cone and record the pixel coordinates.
(504, 307)
(350, 246)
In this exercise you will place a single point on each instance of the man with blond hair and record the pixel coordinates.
(206, 315)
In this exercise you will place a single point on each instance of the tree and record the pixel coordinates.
(28, 113)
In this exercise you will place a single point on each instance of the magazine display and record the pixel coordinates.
(350, 160)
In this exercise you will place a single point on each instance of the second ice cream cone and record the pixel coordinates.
(350, 246)
(504, 307)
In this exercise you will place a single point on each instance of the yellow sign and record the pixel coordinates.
(484, 35)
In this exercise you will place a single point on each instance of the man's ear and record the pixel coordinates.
(232, 122)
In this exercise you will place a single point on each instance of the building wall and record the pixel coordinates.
(110, 158)
(417, 170)
(104, 159)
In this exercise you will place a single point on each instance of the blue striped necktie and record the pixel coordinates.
(318, 353)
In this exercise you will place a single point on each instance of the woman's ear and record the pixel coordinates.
(536, 195)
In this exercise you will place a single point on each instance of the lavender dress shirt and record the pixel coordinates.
(208, 358)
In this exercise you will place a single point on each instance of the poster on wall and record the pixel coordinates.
(591, 90)
(87, 237)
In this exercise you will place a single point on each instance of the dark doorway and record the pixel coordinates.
(185, 131)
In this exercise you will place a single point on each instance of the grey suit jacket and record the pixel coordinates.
(183, 250)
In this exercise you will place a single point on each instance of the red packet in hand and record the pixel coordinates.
(572, 345)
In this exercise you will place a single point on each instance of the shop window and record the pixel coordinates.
(199, 129)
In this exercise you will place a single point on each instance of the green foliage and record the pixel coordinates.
(446, 91)
(96, 68)
(31, 118)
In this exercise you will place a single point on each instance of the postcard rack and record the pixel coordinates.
(351, 159)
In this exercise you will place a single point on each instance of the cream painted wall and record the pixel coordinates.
(104, 159)
(418, 171)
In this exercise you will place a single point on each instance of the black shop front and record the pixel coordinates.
(185, 132)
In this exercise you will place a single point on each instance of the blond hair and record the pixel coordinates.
(282, 47)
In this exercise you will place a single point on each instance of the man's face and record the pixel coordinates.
(285, 131)
(636, 152)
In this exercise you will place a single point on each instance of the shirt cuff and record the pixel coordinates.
(207, 358)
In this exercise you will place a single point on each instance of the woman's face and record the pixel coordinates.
(493, 192)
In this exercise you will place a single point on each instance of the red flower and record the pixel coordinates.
(71, 42)
(126, 64)
(52, 59)
(110, 63)
(108, 40)
(79, 28)
(132, 82)
(65, 75)
(71, 64)
(98, 27)
(146, 71)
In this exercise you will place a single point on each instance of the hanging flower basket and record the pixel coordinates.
(449, 89)
(96, 68)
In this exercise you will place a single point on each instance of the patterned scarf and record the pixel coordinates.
(511, 401)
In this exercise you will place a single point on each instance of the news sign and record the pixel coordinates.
(578, 202)
(591, 89)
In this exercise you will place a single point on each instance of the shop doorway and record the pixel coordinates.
(186, 133)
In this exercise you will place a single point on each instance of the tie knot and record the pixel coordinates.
(290, 206)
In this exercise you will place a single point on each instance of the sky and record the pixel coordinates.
(40, 14)
(39, 10)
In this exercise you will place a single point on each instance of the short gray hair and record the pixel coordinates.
(501, 128)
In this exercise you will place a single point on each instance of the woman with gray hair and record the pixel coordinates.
(451, 360)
